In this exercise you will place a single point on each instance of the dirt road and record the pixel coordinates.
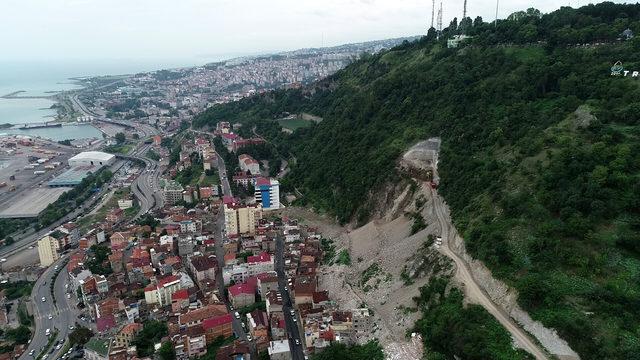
(472, 290)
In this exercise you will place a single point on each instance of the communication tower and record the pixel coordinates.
(433, 12)
(440, 19)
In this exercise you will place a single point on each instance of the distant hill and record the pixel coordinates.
(356, 48)
(539, 160)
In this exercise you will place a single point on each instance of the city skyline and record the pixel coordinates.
(197, 31)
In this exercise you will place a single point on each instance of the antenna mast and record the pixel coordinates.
(464, 10)
(497, 4)
(433, 12)
(440, 19)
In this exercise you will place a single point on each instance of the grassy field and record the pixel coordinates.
(294, 124)
(210, 180)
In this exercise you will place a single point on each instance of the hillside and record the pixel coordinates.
(539, 156)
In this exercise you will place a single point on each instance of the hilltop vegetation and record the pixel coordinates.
(539, 157)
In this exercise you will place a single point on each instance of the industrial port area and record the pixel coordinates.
(27, 164)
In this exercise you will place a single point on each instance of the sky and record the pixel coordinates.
(197, 31)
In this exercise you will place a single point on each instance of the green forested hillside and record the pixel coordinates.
(539, 163)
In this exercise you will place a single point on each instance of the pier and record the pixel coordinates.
(15, 95)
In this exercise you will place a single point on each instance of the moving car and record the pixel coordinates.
(44, 299)
(50, 317)
(297, 342)
(237, 314)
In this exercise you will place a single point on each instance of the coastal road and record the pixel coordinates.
(472, 289)
(290, 313)
(62, 311)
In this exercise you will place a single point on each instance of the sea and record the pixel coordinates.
(42, 78)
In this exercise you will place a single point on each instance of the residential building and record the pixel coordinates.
(203, 269)
(48, 250)
(249, 164)
(241, 219)
(160, 293)
(267, 193)
(218, 326)
(279, 350)
(258, 264)
(126, 335)
(172, 192)
(241, 295)
(362, 321)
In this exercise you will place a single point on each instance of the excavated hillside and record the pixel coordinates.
(392, 259)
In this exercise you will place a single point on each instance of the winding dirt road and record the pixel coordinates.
(472, 289)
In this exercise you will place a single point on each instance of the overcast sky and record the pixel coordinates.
(200, 30)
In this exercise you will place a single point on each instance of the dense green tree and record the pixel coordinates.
(151, 333)
(339, 351)
(120, 138)
(167, 351)
(80, 336)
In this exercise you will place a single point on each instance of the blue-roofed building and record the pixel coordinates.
(73, 176)
(267, 193)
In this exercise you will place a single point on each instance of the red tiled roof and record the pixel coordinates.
(262, 181)
(167, 280)
(230, 136)
(105, 323)
(216, 321)
(238, 289)
(180, 295)
(263, 257)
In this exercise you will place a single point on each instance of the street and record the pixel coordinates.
(297, 351)
(63, 312)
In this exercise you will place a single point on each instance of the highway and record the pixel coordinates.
(472, 289)
(62, 312)
(146, 187)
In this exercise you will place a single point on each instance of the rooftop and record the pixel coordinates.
(72, 176)
(93, 155)
(217, 321)
(99, 346)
